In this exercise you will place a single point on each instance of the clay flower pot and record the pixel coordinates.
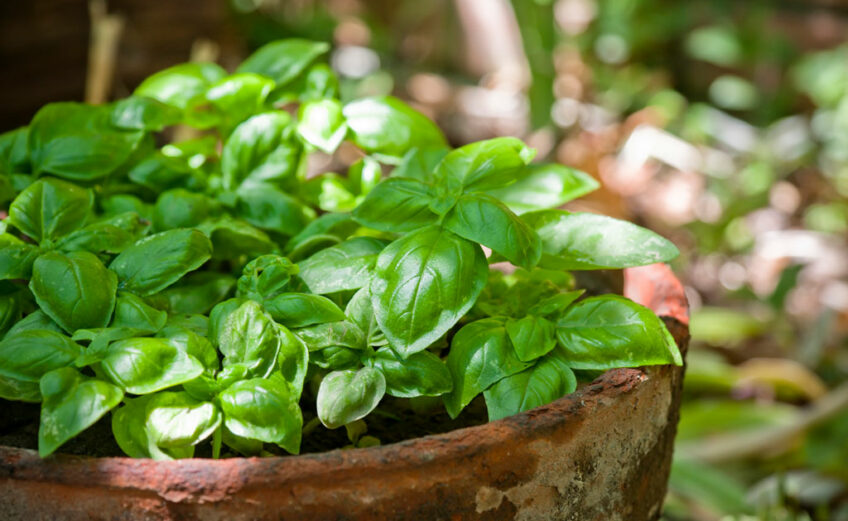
(602, 453)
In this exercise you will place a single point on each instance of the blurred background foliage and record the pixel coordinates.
(721, 124)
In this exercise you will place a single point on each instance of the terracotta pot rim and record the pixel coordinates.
(654, 286)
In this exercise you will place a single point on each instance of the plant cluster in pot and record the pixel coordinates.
(213, 308)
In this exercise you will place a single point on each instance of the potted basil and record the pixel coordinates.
(211, 298)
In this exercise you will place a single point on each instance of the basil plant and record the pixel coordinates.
(210, 291)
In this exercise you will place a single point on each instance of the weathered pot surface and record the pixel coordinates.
(602, 453)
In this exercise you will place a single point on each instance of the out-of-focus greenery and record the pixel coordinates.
(737, 116)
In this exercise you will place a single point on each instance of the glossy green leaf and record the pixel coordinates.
(34, 321)
(346, 266)
(484, 165)
(420, 163)
(424, 283)
(16, 258)
(11, 308)
(611, 331)
(133, 312)
(531, 337)
(302, 309)
(364, 175)
(78, 142)
(347, 396)
(141, 113)
(248, 336)
(293, 360)
(50, 208)
(233, 238)
(237, 97)
(198, 292)
(180, 208)
(360, 311)
(542, 187)
(485, 220)
(548, 380)
(338, 225)
(283, 60)
(322, 124)
(585, 241)
(260, 150)
(397, 205)
(111, 234)
(74, 289)
(266, 277)
(176, 252)
(481, 354)
(146, 365)
(175, 419)
(422, 374)
(266, 206)
(180, 85)
(389, 127)
(129, 427)
(265, 410)
(342, 333)
(193, 344)
(72, 403)
(14, 155)
(29, 355)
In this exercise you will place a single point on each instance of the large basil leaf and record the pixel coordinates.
(484, 165)
(175, 252)
(16, 258)
(175, 419)
(265, 277)
(50, 208)
(72, 403)
(397, 205)
(19, 390)
(531, 337)
(585, 241)
(266, 206)
(192, 344)
(249, 337)
(480, 355)
(198, 292)
(29, 355)
(420, 163)
(111, 234)
(180, 85)
(74, 289)
(422, 374)
(544, 186)
(237, 97)
(548, 380)
(265, 410)
(486, 220)
(611, 331)
(140, 113)
(347, 396)
(341, 334)
(180, 208)
(259, 150)
(334, 358)
(342, 267)
(78, 142)
(555, 304)
(132, 312)
(146, 365)
(389, 127)
(232, 238)
(322, 124)
(302, 309)
(336, 225)
(283, 60)
(129, 426)
(35, 320)
(14, 156)
(424, 283)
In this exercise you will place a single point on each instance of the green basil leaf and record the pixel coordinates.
(397, 205)
(302, 309)
(548, 380)
(146, 365)
(555, 304)
(422, 374)
(180, 208)
(265, 277)
(329, 192)
(420, 163)
(335, 358)
(360, 311)
(484, 165)
(19, 390)
(266, 206)
(176, 253)
(133, 312)
(14, 156)
(192, 343)
(319, 82)
(283, 60)
(424, 283)
(364, 175)
(389, 127)
(233, 238)
(11, 307)
(129, 426)
(16, 258)
(29, 355)
(485, 220)
(72, 403)
(342, 333)
(260, 150)
(343, 267)
(111, 234)
(74, 289)
(265, 410)
(293, 360)
(114, 205)
(480, 355)
(585, 241)
(322, 124)
(239, 96)
(140, 113)
(248, 336)
(50, 208)
(34, 321)
(198, 292)
(175, 419)
(219, 315)
(78, 142)
(338, 225)
(347, 396)
(531, 337)
(610, 331)
(544, 186)
(180, 85)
